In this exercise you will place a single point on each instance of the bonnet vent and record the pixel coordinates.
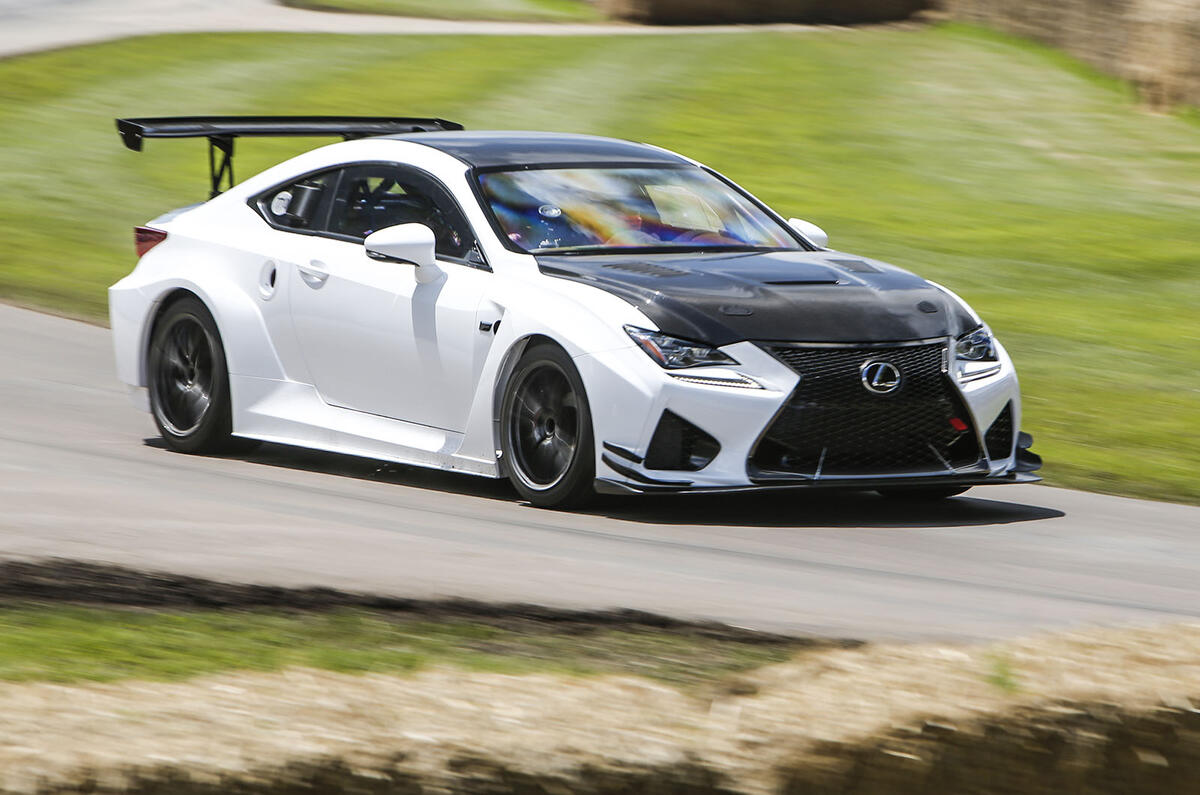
(856, 265)
(647, 269)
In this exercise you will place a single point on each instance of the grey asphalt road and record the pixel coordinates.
(32, 25)
(83, 476)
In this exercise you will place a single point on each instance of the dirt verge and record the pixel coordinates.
(1097, 712)
(57, 580)
(722, 12)
(1102, 711)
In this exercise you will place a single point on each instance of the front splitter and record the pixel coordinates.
(607, 486)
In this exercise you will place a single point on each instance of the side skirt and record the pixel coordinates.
(291, 413)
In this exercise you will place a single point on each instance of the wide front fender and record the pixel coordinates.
(578, 318)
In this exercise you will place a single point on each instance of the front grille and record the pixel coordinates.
(832, 425)
(999, 437)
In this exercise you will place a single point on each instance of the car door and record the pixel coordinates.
(374, 338)
(294, 212)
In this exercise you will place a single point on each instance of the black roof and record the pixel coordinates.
(504, 148)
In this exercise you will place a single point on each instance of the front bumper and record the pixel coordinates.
(738, 419)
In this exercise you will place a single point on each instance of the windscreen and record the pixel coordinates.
(612, 209)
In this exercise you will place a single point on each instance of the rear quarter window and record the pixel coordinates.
(301, 205)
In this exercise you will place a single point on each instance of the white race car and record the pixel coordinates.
(574, 313)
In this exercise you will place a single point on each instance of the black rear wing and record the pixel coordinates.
(222, 130)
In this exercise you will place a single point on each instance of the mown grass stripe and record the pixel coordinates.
(70, 643)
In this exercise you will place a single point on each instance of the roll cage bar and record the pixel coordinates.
(222, 130)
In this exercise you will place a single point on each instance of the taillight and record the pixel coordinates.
(145, 238)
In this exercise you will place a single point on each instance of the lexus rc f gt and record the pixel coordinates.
(573, 313)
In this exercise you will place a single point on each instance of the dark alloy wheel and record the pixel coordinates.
(921, 493)
(188, 380)
(546, 430)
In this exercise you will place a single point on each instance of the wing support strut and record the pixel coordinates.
(223, 172)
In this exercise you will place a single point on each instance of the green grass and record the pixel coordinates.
(1066, 215)
(507, 10)
(71, 644)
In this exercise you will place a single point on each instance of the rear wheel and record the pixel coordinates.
(921, 493)
(189, 381)
(546, 430)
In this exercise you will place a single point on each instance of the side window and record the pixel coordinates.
(370, 198)
(300, 205)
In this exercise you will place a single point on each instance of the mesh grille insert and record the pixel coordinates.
(999, 437)
(833, 425)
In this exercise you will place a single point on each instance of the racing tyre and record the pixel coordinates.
(922, 493)
(189, 382)
(546, 430)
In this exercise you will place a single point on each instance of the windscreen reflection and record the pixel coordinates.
(604, 209)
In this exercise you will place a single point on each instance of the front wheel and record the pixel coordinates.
(921, 493)
(546, 430)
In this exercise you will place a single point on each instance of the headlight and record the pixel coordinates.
(976, 346)
(674, 353)
(975, 355)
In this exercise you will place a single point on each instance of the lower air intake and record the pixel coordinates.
(834, 424)
(999, 437)
(678, 444)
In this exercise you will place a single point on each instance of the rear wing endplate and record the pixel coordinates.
(222, 130)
